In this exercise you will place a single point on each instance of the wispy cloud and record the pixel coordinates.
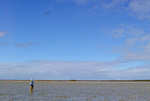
(4, 44)
(138, 8)
(136, 42)
(24, 45)
(114, 3)
(81, 2)
(77, 2)
(19, 44)
(128, 31)
(2, 34)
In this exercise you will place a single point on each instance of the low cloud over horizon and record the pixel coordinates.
(50, 70)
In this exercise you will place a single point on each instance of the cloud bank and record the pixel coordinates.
(51, 70)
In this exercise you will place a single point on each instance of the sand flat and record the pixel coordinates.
(75, 91)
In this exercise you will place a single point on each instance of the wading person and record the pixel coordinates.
(31, 86)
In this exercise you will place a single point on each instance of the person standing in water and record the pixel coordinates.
(31, 86)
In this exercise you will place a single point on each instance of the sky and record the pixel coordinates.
(75, 39)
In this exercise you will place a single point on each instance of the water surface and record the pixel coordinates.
(75, 91)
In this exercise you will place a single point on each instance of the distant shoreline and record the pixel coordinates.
(84, 80)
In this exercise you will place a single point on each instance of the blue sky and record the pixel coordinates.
(74, 39)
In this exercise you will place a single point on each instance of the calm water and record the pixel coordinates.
(75, 91)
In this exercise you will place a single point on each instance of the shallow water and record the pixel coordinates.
(75, 91)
